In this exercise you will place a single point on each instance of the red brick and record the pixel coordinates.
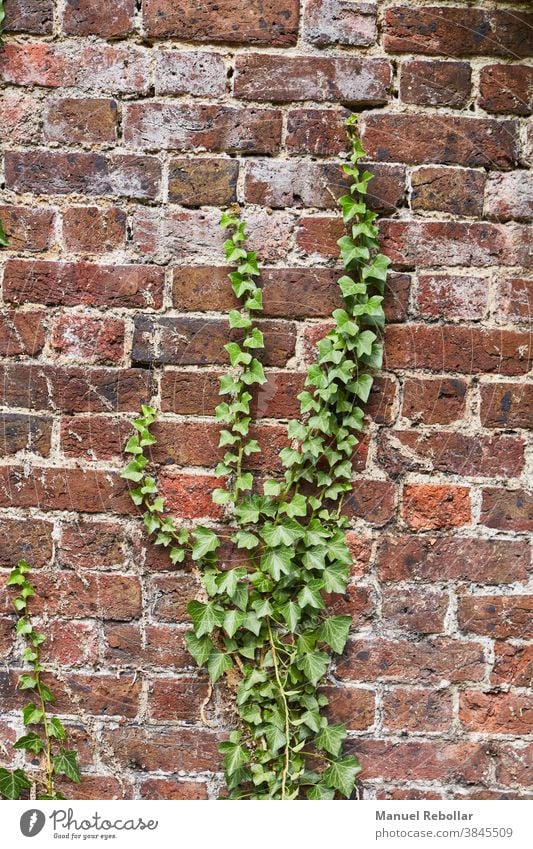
(20, 432)
(352, 706)
(449, 296)
(99, 695)
(513, 300)
(72, 284)
(413, 760)
(423, 662)
(71, 643)
(496, 616)
(332, 22)
(189, 496)
(435, 83)
(93, 437)
(171, 594)
(199, 182)
(74, 120)
(25, 539)
(417, 710)
(453, 190)
(499, 713)
(173, 788)
(19, 117)
(86, 491)
(92, 545)
(423, 614)
(200, 341)
(197, 73)
(90, 340)
(90, 595)
(506, 405)
(371, 500)
(514, 764)
(29, 16)
(90, 230)
(316, 132)
(28, 229)
(464, 349)
(99, 787)
(165, 646)
(88, 17)
(282, 79)
(406, 557)
(446, 139)
(165, 749)
(357, 602)
(509, 196)
(411, 793)
(270, 22)
(92, 174)
(21, 332)
(434, 400)
(508, 510)
(457, 31)
(431, 506)
(178, 126)
(506, 88)
(402, 451)
(177, 698)
(513, 665)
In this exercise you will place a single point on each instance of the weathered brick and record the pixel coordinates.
(281, 79)
(414, 760)
(93, 437)
(21, 432)
(200, 341)
(89, 340)
(85, 491)
(357, 602)
(74, 120)
(453, 190)
(170, 597)
(90, 230)
(457, 31)
(88, 17)
(435, 83)
(468, 350)
(92, 174)
(189, 496)
(99, 695)
(28, 229)
(92, 545)
(316, 132)
(197, 73)
(91, 595)
(401, 451)
(353, 706)
(507, 509)
(234, 21)
(71, 643)
(177, 698)
(496, 616)
(29, 16)
(199, 182)
(25, 539)
(506, 405)
(506, 88)
(514, 763)
(332, 22)
(21, 332)
(166, 750)
(177, 126)
(372, 500)
(446, 139)
(452, 296)
(172, 788)
(513, 665)
(513, 300)
(100, 787)
(509, 196)
(165, 646)
(20, 116)
(425, 616)
(427, 661)
(417, 710)
(434, 400)
(408, 792)
(406, 557)
(72, 284)
(431, 506)
(500, 713)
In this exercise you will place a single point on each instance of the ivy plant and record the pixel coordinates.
(45, 736)
(266, 619)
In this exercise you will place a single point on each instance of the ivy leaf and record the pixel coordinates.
(235, 756)
(56, 729)
(309, 595)
(12, 782)
(334, 632)
(66, 763)
(27, 682)
(286, 534)
(335, 578)
(277, 561)
(218, 663)
(199, 647)
(320, 792)
(275, 738)
(292, 614)
(314, 665)
(244, 539)
(205, 617)
(30, 742)
(331, 738)
(342, 774)
(233, 620)
(31, 714)
(205, 541)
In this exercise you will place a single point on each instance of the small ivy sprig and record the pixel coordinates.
(48, 737)
(2, 18)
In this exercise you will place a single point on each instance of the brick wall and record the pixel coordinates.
(125, 125)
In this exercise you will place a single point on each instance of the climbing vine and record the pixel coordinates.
(45, 736)
(3, 237)
(265, 621)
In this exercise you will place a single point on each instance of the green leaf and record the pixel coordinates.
(292, 614)
(314, 665)
(56, 729)
(31, 714)
(271, 488)
(335, 578)
(235, 756)
(286, 534)
(200, 648)
(331, 738)
(205, 541)
(277, 561)
(66, 763)
(30, 742)
(233, 620)
(275, 738)
(342, 774)
(310, 596)
(12, 782)
(205, 617)
(217, 664)
(27, 682)
(320, 792)
(334, 631)
(244, 539)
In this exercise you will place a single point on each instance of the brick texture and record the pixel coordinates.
(125, 128)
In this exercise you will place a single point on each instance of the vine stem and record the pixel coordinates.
(286, 709)
(48, 752)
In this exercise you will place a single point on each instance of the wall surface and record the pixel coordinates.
(125, 125)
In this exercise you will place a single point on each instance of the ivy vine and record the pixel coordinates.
(267, 620)
(46, 736)
(3, 237)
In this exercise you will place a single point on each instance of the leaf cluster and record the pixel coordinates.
(45, 736)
